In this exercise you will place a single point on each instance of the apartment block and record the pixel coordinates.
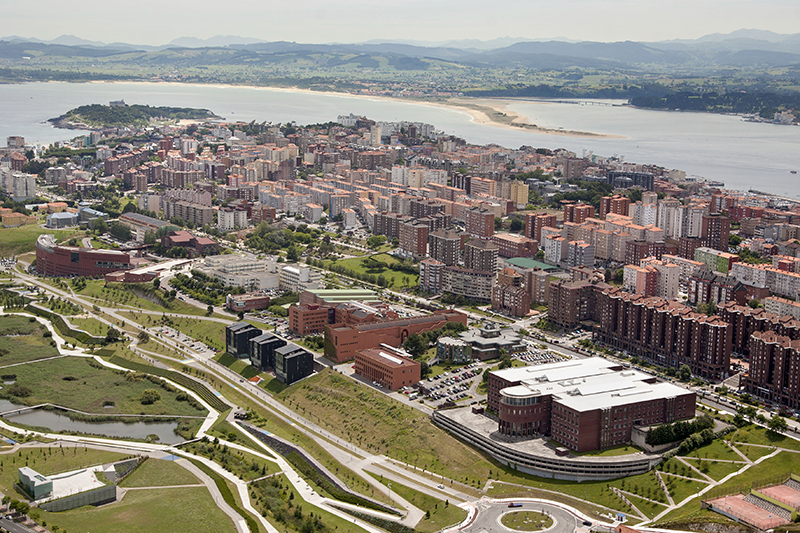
(534, 224)
(512, 245)
(479, 223)
(481, 255)
(445, 246)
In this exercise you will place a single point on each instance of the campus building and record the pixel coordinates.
(584, 405)
(237, 338)
(389, 368)
(247, 302)
(343, 341)
(65, 261)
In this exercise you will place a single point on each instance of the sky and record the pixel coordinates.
(324, 21)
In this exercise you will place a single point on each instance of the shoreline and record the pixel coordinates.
(483, 111)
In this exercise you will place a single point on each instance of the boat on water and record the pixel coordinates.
(792, 172)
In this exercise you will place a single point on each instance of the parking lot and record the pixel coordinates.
(537, 356)
(451, 386)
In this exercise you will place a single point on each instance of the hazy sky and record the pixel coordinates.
(318, 21)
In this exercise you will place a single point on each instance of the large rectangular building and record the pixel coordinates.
(343, 341)
(391, 369)
(584, 405)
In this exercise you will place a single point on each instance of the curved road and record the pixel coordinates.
(489, 513)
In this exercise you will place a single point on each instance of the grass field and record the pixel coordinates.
(442, 515)
(753, 434)
(716, 450)
(187, 510)
(394, 278)
(774, 468)
(20, 325)
(134, 295)
(680, 488)
(210, 332)
(753, 452)
(383, 425)
(92, 326)
(75, 383)
(612, 452)
(585, 502)
(647, 507)
(645, 485)
(49, 461)
(526, 521)
(716, 470)
(159, 473)
(17, 241)
(25, 348)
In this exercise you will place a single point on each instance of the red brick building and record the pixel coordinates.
(509, 294)
(617, 204)
(343, 341)
(584, 404)
(479, 223)
(511, 245)
(65, 261)
(578, 213)
(247, 302)
(388, 368)
(534, 224)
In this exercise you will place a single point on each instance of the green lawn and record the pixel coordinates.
(394, 278)
(159, 473)
(526, 521)
(753, 452)
(78, 384)
(240, 366)
(753, 434)
(383, 425)
(20, 325)
(774, 469)
(680, 488)
(49, 461)
(623, 449)
(140, 296)
(441, 514)
(92, 326)
(587, 501)
(716, 470)
(649, 508)
(17, 241)
(645, 485)
(209, 332)
(716, 450)
(25, 348)
(187, 510)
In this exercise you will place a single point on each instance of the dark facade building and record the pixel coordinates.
(774, 373)
(237, 338)
(67, 261)
(445, 246)
(261, 350)
(481, 256)
(292, 364)
(625, 179)
(746, 321)
(571, 302)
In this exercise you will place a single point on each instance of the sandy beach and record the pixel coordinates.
(488, 111)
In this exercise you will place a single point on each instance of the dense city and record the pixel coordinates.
(370, 325)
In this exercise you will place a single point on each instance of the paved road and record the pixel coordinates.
(490, 512)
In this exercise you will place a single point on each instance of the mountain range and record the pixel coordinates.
(737, 49)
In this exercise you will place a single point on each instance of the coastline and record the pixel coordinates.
(485, 111)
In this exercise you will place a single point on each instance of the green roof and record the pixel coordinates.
(345, 295)
(524, 262)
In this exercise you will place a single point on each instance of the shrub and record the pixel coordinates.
(19, 391)
(150, 396)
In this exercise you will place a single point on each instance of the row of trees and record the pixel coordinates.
(666, 433)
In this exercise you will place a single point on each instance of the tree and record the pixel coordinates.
(120, 231)
(113, 335)
(734, 240)
(540, 254)
(149, 237)
(98, 225)
(516, 225)
(498, 223)
(777, 424)
(144, 337)
(754, 303)
(424, 370)
(685, 373)
(209, 310)
(292, 254)
(156, 283)
(415, 344)
(709, 308)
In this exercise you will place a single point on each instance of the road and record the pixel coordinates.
(489, 513)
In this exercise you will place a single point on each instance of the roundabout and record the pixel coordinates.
(526, 521)
(493, 516)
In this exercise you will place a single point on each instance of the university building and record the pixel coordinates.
(583, 405)
(391, 369)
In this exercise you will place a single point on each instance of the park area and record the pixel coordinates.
(375, 269)
(85, 385)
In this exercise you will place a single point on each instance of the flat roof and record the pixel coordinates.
(524, 262)
(587, 384)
